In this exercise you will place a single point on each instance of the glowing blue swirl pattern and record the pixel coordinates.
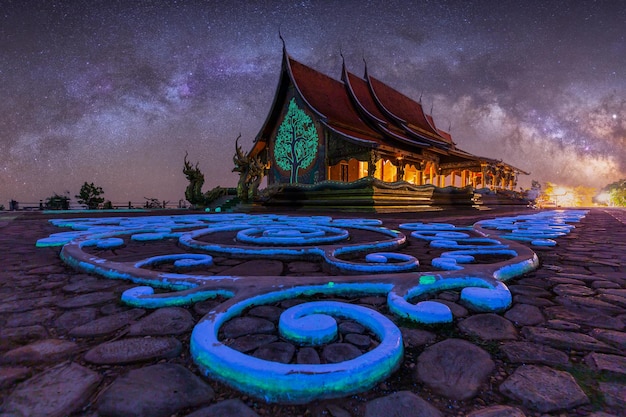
(475, 260)
(294, 383)
(292, 234)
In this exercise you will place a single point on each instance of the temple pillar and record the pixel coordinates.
(400, 170)
(483, 179)
(371, 164)
(419, 177)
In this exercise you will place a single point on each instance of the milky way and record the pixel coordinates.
(115, 92)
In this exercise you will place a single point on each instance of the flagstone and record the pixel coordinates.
(488, 326)
(457, 310)
(107, 324)
(613, 299)
(233, 407)
(524, 314)
(543, 389)
(607, 363)
(90, 285)
(571, 289)
(584, 316)
(308, 355)
(565, 339)
(497, 411)
(56, 392)
(14, 336)
(534, 353)
(340, 352)
(159, 390)
(203, 307)
(536, 301)
(42, 351)
(240, 326)
(562, 325)
(164, 321)
(9, 375)
(88, 299)
(134, 350)
(38, 316)
(589, 302)
(454, 368)
(416, 337)
(401, 404)
(270, 313)
(75, 318)
(528, 291)
(251, 342)
(612, 337)
(276, 352)
(605, 284)
(614, 394)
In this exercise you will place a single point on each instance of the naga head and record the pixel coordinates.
(239, 159)
(187, 164)
(189, 170)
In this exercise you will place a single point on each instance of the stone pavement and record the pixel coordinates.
(68, 346)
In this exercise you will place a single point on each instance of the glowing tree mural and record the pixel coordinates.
(296, 142)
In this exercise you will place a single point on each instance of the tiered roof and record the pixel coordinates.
(364, 110)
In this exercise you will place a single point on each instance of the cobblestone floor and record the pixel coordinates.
(68, 346)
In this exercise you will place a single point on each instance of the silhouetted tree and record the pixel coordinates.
(616, 193)
(89, 195)
(57, 202)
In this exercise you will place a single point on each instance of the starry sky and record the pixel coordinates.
(115, 92)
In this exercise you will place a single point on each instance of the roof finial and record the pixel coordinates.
(344, 70)
(280, 35)
(365, 62)
(431, 108)
(421, 94)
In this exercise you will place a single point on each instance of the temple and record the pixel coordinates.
(361, 136)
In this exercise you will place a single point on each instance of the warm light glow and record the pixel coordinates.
(560, 191)
(603, 198)
(562, 196)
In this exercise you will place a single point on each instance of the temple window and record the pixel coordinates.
(344, 176)
(411, 174)
(388, 171)
(363, 169)
(347, 171)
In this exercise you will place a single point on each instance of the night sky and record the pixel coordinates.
(115, 92)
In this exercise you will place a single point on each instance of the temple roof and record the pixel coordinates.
(404, 111)
(328, 98)
(365, 111)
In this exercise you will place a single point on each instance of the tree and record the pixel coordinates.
(296, 142)
(615, 193)
(89, 195)
(58, 202)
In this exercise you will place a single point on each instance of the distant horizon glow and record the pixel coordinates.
(115, 93)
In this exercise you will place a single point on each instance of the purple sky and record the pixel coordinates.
(115, 92)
